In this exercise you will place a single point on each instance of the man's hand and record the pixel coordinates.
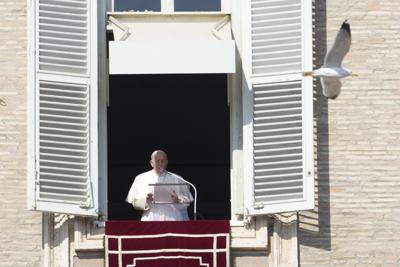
(174, 197)
(149, 199)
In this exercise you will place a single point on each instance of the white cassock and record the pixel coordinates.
(163, 212)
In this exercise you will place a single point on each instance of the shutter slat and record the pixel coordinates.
(266, 190)
(65, 149)
(276, 110)
(264, 138)
(62, 60)
(77, 190)
(63, 182)
(62, 175)
(59, 90)
(271, 116)
(277, 137)
(66, 9)
(271, 66)
(59, 14)
(61, 117)
(278, 164)
(276, 158)
(63, 156)
(63, 103)
(60, 143)
(281, 46)
(63, 110)
(79, 6)
(263, 125)
(51, 196)
(273, 23)
(63, 201)
(66, 2)
(63, 41)
(278, 149)
(48, 167)
(281, 177)
(265, 7)
(263, 105)
(274, 2)
(82, 36)
(264, 185)
(48, 24)
(259, 132)
(259, 144)
(63, 162)
(59, 53)
(60, 97)
(284, 15)
(44, 135)
(265, 61)
(296, 90)
(61, 67)
(276, 169)
(64, 123)
(65, 129)
(280, 197)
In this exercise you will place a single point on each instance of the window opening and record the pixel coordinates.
(185, 115)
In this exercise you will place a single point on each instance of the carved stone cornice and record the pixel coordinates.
(286, 217)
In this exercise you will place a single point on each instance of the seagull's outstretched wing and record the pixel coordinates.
(331, 86)
(340, 47)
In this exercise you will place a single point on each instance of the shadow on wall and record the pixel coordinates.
(315, 226)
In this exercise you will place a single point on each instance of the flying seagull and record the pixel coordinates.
(332, 71)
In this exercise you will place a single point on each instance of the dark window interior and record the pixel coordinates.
(185, 115)
(137, 5)
(197, 5)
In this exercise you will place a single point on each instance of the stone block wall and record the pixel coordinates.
(20, 230)
(356, 222)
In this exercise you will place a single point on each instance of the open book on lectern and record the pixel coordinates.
(162, 192)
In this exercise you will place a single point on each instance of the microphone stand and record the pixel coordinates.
(195, 198)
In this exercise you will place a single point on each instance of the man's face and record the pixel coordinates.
(159, 162)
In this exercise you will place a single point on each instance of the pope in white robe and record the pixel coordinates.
(141, 193)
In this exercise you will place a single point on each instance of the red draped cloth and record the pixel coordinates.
(167, 244)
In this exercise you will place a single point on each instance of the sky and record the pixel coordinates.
(155, 5)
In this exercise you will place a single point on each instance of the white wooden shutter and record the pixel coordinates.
(279, 137)
(276, 36)
(63, 107)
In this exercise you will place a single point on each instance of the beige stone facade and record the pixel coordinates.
(358, 144)
(20, 230)
(356, 222)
